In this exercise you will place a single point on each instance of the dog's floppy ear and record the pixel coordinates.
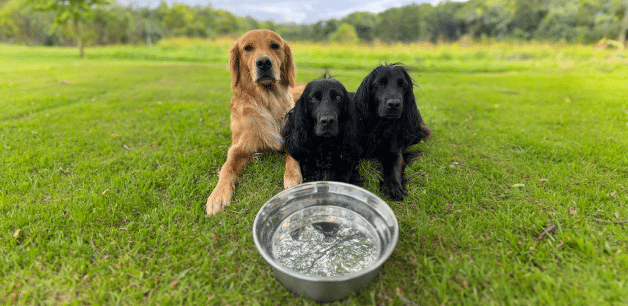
(234, 64)
(350, 128)
(297, 130)
(414, 128)
(362, 98)
(287, 68)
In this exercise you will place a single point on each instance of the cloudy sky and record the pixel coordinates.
(288, 10)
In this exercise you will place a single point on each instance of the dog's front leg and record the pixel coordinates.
(237, 158)
(310, 171)
(393, 182)
(292, 176)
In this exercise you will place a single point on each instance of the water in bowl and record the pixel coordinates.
(325, 241)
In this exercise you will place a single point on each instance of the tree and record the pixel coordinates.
(526, 17)
(112, 26)
(408, 23)
(74, 10)
(9, 27)
(624, 25)
(472, 13)
(177, 18)
(226, 23)
(443, 22)
(345, 34)
(364, 23)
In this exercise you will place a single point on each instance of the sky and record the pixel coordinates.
(283, 11)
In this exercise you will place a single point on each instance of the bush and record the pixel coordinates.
(345, 34)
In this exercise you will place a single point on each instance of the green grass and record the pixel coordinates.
(106, 164)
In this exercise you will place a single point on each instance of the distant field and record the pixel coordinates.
(106, 164)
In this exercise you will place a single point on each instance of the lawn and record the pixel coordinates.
(106, 164)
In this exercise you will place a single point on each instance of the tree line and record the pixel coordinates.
(102, 22)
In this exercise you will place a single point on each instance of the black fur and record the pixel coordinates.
(389, 123)
(320, 133)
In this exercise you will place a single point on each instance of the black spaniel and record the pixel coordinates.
(389, 123)
(320, 133)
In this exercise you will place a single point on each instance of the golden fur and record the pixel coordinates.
(258, 109)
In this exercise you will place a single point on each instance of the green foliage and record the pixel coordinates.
(404, 23)
(8, 19)
(21, 25)
(75, 10)
(345, 34)
(365, 24)
(66, 9)
(586, 21)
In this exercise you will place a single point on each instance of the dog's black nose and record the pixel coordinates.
(393, 104)
(327, 120)
(263, 63)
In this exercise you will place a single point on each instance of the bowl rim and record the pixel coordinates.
(353, 275)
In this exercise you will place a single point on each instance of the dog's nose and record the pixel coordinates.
(327, 120)
(263, 63)
(393, 104)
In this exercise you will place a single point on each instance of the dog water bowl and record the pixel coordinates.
(325, 240)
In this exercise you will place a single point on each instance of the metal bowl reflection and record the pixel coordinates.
(325, 240)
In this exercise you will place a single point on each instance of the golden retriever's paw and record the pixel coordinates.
(217, 201)
(291, 181)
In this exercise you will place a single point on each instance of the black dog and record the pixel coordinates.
(389, 122)
(320, 132)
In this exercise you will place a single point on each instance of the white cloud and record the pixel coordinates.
(296, 17)
(364, 6)
(280, 12)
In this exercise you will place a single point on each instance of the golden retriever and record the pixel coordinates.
(263, 72)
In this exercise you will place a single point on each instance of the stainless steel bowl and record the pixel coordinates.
(325, 240)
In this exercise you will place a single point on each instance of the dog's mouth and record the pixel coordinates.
(326, 133)
(265, 80)
(391, 115)
(265, 77)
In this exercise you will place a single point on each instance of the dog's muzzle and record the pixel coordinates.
(326, 126)
(391, 108)
(265, 73)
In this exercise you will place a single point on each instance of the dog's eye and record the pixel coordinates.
(248, 48)
(274, 46)
(312, 99)
(338, 98)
